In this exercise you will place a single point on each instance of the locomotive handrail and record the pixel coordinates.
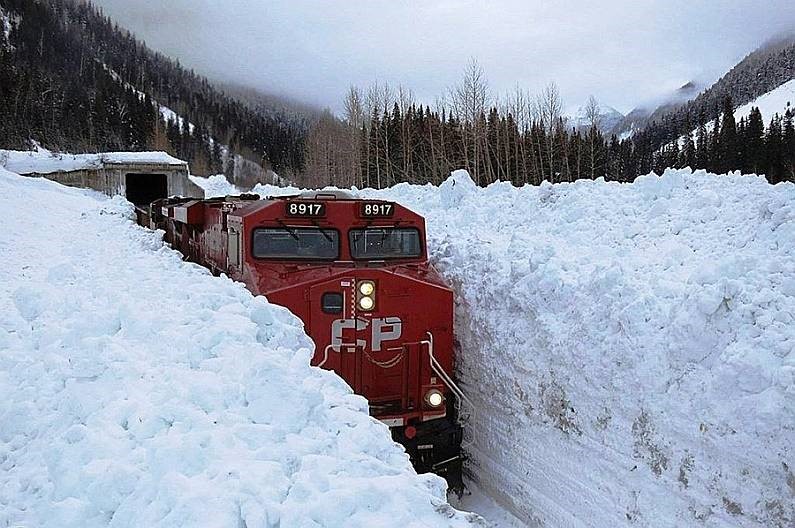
(383, 364)
(328, 347)
(437, 367)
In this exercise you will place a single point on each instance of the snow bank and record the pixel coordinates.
(214, 186)
(629, 347)
(139, 390)
(45, 162)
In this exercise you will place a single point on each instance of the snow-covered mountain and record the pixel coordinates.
(760, 72)
(609, 117)
(639, 117)
(777, 101)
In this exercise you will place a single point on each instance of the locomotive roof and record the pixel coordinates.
(324, 195)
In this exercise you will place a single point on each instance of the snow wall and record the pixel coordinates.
(139, 390)
(629, 347)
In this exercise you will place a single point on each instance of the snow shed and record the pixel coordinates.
(141, 177)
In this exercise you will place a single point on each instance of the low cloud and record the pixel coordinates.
(624, 52)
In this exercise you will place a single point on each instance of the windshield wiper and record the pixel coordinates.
(289, 231)
(326, 235)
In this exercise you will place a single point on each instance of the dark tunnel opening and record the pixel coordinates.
(142, 189)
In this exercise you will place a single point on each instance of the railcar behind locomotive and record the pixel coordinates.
(357, 273)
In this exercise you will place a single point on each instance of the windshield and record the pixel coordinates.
(385, 243)
(296, 243)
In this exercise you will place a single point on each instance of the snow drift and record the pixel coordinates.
(139, 390)
(215, 185)
(629, 347)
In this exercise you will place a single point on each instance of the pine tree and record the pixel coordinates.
(702, 143)
(755, 143)
(728, 138)
(789, 146)
(774, 151)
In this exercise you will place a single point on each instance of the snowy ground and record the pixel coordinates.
(139, 390)
(629, 347)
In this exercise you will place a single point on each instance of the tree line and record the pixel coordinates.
(385, 137)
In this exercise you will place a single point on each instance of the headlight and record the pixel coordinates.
(366, 287)
(434, 398)
(366, 303)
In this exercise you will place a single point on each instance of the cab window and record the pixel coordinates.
(379, 243)
(296, 243)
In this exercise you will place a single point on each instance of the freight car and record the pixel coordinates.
(357, 274)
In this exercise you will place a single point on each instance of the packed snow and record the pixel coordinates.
(214, 186)
(139, 390)
(45, 162)
(629, 347)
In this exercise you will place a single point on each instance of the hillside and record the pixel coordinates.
(641, 116)
(72, 80)
(762, 71)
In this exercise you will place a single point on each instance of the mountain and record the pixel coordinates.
(268, 103)
(639, 117)
(609, 117)
(72, 80)
(762, 71)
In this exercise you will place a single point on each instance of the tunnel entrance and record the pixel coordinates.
(142, 189)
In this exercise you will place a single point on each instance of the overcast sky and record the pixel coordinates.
(624, 52)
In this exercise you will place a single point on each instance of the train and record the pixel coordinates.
(356, 272)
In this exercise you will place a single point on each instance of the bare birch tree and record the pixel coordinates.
(469, 101)
(593, 114)
(549, 107)
(354, 119)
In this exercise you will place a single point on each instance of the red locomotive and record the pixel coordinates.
(357, 274)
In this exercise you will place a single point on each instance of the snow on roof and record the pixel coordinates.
(214, 186)
(44, 162)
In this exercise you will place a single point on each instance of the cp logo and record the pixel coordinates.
(386, 329)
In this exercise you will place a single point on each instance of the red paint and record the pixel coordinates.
(410, 432)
